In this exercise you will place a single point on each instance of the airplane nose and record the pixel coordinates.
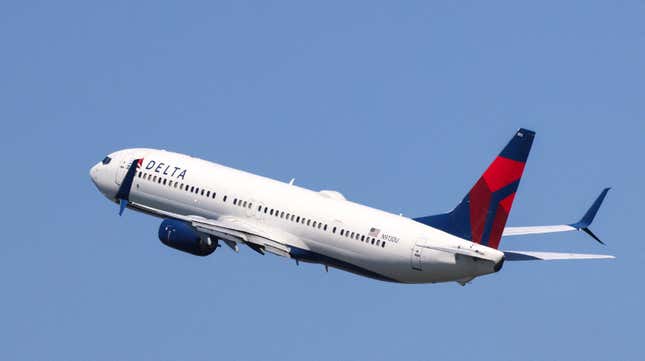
(93, 172)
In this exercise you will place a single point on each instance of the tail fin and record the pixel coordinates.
(481, 215)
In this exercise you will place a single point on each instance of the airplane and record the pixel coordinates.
(203, 204)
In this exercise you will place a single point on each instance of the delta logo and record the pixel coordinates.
(164, 169)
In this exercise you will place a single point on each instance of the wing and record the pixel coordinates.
(550, 256)
(520, 231)
(582, 225)
(233, 231)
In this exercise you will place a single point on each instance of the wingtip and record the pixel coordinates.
(590, 233)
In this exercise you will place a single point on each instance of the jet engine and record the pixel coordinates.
(179, 235)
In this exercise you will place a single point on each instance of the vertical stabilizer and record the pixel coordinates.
(482, 214)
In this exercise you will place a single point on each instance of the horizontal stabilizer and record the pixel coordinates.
(582, 225)
(550, 256)
(520, 231)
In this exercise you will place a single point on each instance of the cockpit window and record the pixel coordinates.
(106, 160)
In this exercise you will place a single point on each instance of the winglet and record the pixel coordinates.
(585, 222)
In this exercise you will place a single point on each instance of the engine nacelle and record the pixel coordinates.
(179, 235)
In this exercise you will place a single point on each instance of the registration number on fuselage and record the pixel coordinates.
(389, 238)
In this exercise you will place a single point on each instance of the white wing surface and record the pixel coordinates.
(234, 230)
(519, 231)
(550, 256)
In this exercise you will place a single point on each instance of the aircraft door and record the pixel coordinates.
(416, 258)
(251, 209)
(121, 170)
(259, 211)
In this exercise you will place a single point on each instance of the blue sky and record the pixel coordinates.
(399, 105)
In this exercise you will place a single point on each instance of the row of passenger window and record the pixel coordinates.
(320, 225)
(262, 209)
(363, 238)
(176, 184)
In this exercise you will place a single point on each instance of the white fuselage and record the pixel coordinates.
(363, 239)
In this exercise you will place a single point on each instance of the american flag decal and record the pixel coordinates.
(374, 232)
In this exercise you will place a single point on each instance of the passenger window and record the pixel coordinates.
(309, 222)
(342, 231)
(293, 217)
(259, 208)
(325, 228)
(314, 224)
(154, 179)
(208, 194)
(214, 195)
(352, 236)
(235, 201)
(383, 244)
(250, 205)
(139, 174)
(372, 240)
(225, 198)
(202, 193)
(271, 211)
(244, 204)
(287, 216)
(362, 238)
(265, 210)
(333, 230)
(298, 219)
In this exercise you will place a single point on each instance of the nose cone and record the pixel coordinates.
(102, 176)
(94, 173)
